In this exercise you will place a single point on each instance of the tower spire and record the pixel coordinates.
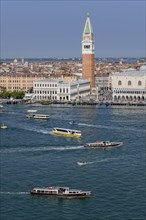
(88, 28)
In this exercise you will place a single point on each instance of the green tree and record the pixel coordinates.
(5, 94)
(17, 94)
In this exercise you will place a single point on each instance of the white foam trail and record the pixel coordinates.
(42, 131)
(111, 127)
(103, 160)
(35, 149)
(14, 193)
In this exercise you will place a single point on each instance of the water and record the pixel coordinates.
(129, 60)
(31, 157)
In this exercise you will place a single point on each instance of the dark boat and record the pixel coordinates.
(38, 116)
(103, 144)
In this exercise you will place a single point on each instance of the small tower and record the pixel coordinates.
(22, 61)
(88, 61)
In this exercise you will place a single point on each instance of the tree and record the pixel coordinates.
(5, 94)
(17, 95)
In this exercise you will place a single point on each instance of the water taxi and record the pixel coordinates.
(66, 132)
(103, 144)
(61, 192)
(37, 116)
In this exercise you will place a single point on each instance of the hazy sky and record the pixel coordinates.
(37, 28)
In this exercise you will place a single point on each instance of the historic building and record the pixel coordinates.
(129, 86)
(18, 81)
(88, 60)
(57, 89)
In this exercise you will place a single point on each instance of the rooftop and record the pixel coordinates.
(130, 73)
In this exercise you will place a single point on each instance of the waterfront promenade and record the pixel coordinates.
(71, 103)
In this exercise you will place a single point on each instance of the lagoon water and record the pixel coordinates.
(31, 156)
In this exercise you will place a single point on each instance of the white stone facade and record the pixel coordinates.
(74, 90)
(102, 82)
(46, 89)
(129, 86)
(53, 89)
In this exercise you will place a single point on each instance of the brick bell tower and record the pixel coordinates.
(88, 61)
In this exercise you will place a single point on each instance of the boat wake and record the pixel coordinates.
(99, 161)
(37, 130)
(111, 127)
(14, 193)
(41, 149)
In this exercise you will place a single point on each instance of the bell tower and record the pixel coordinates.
(88, 61)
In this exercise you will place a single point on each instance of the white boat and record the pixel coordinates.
(61, 192)
(38, 116)
(3, 126)
(81, 163)
(32, 110)
(103, 144)
(72, 122)
(66, 132)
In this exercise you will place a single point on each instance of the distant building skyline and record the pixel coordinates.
(43, 29)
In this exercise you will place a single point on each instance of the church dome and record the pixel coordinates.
(143, 67)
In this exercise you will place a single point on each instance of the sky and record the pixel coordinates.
(43, 29)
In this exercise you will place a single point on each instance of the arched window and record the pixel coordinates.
(115, 98)
(129, 83)
(139, 83)
(119, 83)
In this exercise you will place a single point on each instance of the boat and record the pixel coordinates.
(66, 132)
(103, 144)
(3, 111)
(37, 116)
(32, 110)
(3, 126)
(60, 192)
(81, 163)
(72, 122)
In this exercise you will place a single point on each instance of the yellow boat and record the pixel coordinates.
(66, 132)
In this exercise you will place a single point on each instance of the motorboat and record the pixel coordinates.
(103, 144)
(60, 192)
(30, 116)
(66, 132)
(3, 126)
(72, 122)
(81, 163)
(31, 110)
(3, 111)
(37, 116)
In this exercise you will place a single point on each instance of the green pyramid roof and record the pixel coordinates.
(88, 27)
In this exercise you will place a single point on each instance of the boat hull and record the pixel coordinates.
(79, 195)
(95, 145)
(66, 134)
(35, 116)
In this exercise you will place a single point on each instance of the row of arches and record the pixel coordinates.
(129, 98)
(130, 92)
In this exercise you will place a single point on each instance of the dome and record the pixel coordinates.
(143, 68)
